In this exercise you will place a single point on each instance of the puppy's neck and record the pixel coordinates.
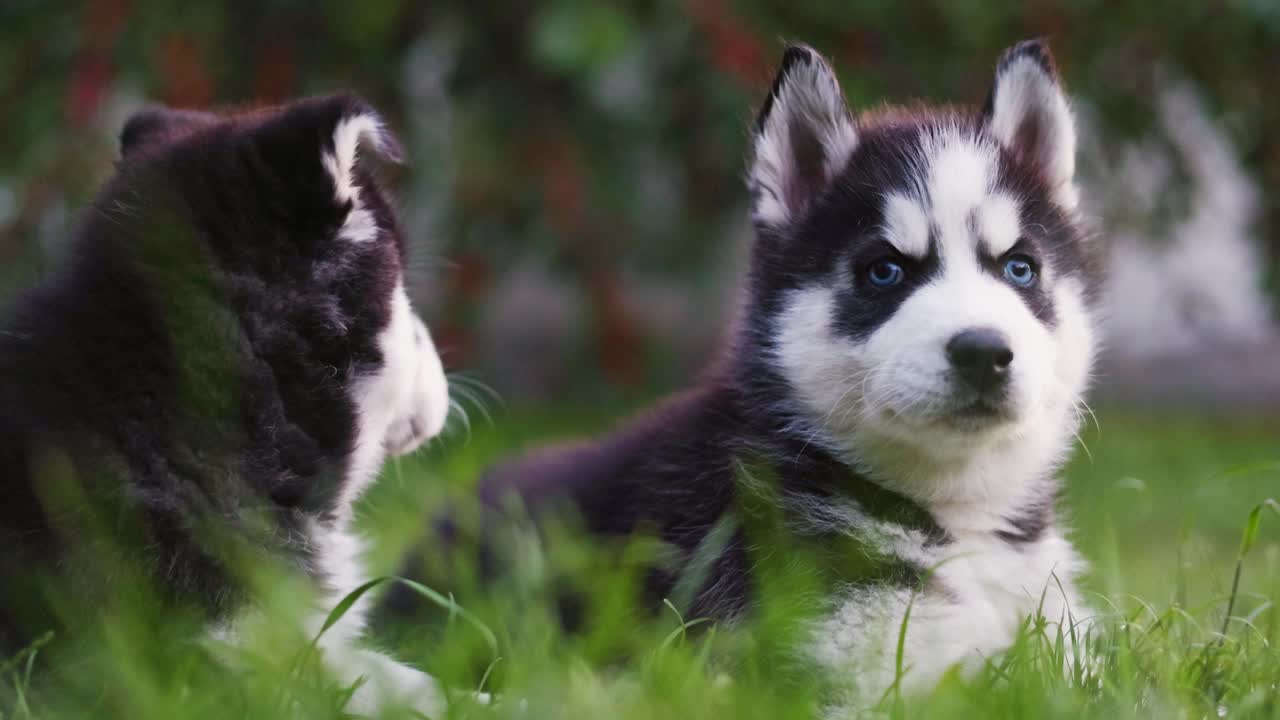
(989, 488)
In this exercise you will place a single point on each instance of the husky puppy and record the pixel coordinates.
(219, 367)
(908, 365)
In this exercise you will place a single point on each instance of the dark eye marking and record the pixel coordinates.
(880, 267)
(880, 278)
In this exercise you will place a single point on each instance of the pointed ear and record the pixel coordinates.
(1029, 115)
(156, 124)
(804, 137)
(338, 127)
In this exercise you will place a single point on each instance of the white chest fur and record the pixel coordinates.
(969, 608)
(380, 680)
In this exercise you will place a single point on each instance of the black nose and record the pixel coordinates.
(981, 357)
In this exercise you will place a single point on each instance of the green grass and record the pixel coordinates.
(1160, 506)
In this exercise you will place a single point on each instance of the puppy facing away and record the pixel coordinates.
(219, 367)
(908, 366)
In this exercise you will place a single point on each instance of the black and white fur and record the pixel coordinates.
(223, 360)
(849, 393)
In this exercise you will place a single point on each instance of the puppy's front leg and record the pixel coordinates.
(384, 683)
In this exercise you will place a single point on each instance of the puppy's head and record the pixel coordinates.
(923, 282)
(278, 211)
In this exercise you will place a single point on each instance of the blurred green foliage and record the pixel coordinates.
(599, 137)
(1157, 506)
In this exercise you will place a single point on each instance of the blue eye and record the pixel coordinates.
(885, 273)
(1019, 271)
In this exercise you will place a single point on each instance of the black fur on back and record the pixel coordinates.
(182, 380)
(677, 472)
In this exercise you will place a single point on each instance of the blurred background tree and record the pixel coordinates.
(575, 176)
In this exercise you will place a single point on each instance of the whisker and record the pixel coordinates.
(456, 410)
(463, 378)
(1083, 445)
(1096, 424)
(465, 393)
